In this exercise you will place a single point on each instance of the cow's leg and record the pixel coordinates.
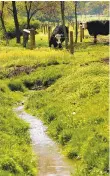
(50, 44)
(55, 46)
(60, 45)
(95, 38)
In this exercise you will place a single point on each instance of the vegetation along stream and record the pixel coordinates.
(50, 162)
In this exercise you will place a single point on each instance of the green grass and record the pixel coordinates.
(16, 149)
(70, 96)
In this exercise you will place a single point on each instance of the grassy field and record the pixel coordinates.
(68, 92)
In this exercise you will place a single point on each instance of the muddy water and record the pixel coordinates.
(51, 162)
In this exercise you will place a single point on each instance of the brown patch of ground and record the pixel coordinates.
(17, 70)
(103, 60)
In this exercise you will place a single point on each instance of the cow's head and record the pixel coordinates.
(58, 38)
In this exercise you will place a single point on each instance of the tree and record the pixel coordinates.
(16, 22)
(89, 7)
(53, 12)
(76, 29)
(3, 22)
(31, 9)
(69, 14)
(28, 6)
(62, 3)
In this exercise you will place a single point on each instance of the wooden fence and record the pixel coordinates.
(47, 30)
(26, 33)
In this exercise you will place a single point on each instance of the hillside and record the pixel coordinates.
(69, 93)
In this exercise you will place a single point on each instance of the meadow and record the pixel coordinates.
(69, 93)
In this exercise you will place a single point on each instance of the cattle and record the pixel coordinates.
(97, 28)
(11, 35)
(58, 37)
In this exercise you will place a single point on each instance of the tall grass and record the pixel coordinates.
(16, 150)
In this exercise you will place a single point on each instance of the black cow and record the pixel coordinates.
(58, 37)
(11, 35)
(97, 28)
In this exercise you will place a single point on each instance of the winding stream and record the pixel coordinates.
(50, 161)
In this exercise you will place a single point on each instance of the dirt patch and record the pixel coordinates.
(17, 70)
(103, 60)
(88, 63)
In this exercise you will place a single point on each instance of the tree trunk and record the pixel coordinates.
(28, 23)
(3, 24)
(76, 29)
(16, 22)
(63, 22)
(28, 12)
(28, 20)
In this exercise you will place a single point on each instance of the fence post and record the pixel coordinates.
(49, 32)
(32, 38)
(81, 33)
(68, 34)
(24, 39)
(71, 43)
(78, 25)
(44, 29)
(68, 25)
(73, 25)
(25, 36)
(54, 24)
(41, 27)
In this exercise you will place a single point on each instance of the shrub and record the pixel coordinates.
(16, 86)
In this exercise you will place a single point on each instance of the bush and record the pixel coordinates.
(16, 86)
